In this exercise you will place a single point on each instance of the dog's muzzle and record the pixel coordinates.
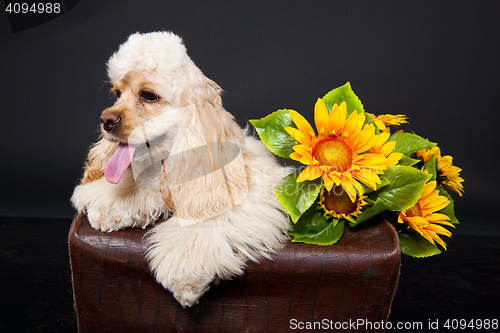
(110, 121)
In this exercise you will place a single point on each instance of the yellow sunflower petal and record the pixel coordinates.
(379, 142)
(393, 159)
(445, 162)
(392, 120)
(328, 181)
(416, 220)
(368, 177)
(371, 160)
(310, 173)
(437, 229)
(349, 189)
(363, 139)
(301, 123)
(338, 118)
(451, 174)
(307, 159)
(295, 156)
(301, 149)
(321, 117)
(426, 154)
(440, 219)
(387, 148)
(440, 242)
(299, 136)
(438, 203)
(353, 123)
(428, 188)
(455, 185)
(422, 216)
(359, 188)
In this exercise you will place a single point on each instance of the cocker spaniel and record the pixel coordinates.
(170, 155)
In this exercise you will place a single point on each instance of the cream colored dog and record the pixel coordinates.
(168, 148)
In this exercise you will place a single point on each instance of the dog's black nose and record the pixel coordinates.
(110, 121)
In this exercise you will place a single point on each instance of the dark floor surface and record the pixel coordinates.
(36, 293)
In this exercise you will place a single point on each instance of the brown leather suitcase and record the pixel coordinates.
(344, 287)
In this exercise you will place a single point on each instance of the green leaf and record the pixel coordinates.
(271, 130)
(296, 197)
(405, 187)
(431, 167)
(329, 235)
(383, 182)
(450, 209)
(407, 161)
(408, 143)
(353, 103)
(369, 212)
(311, 222)
(413, 244)
(343, 94)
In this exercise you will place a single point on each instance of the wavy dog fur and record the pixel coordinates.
(219, 216)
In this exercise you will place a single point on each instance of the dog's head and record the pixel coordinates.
(165, 104)
(146, 74)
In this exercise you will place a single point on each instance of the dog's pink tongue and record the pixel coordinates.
(119, 162)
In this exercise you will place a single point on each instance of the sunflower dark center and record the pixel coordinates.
(338, 201)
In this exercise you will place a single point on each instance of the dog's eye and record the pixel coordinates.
(149, 96)
(115, 91)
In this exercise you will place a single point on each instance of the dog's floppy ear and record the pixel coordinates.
(204, 175)
(98, 156)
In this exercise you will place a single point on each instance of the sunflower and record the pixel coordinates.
(381, 146)
(422, 217)
(337, 203)
(340, 152)
(447, 174)
(385, 120)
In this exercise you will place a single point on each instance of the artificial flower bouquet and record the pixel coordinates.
(355, 169)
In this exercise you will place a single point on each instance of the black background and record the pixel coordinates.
(435, 61)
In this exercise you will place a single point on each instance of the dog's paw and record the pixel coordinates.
(105, 220)
(188, 293)
(108, 221)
